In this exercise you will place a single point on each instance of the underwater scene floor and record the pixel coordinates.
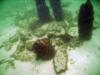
(21, 33)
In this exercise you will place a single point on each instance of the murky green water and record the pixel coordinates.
(18, 21)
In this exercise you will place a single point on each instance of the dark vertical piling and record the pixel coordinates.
(85, 21)
(43, 11)
(57, 9)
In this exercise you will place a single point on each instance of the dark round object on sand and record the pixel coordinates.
(44, 49)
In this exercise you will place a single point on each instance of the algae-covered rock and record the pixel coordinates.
(60, 61)
(23, 56)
